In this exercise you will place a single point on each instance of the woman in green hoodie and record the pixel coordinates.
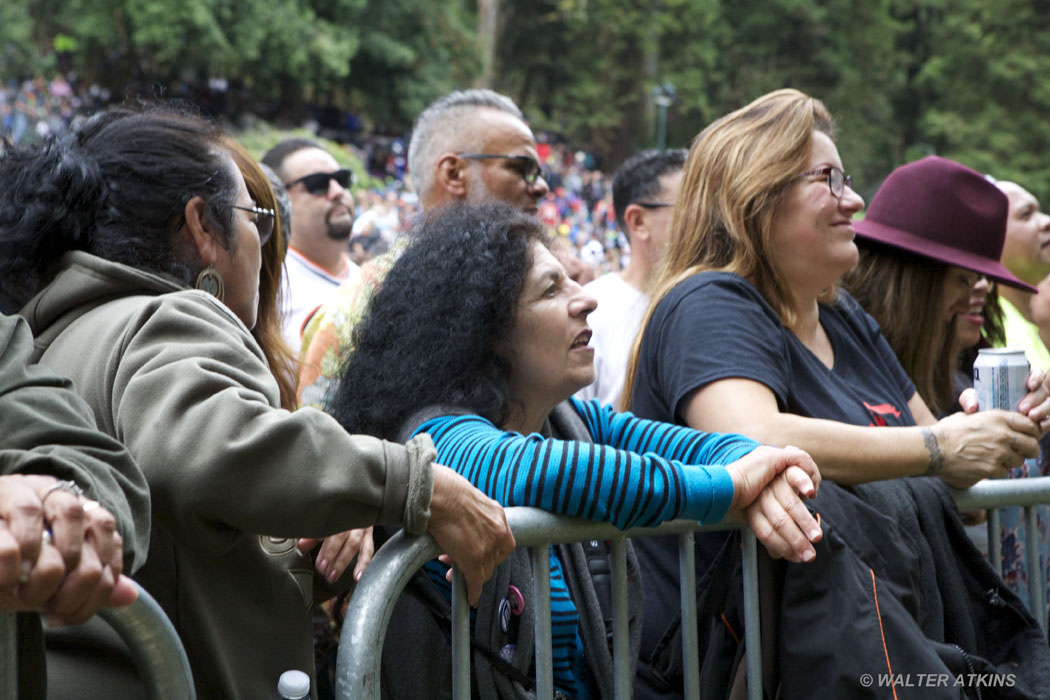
(132, 247)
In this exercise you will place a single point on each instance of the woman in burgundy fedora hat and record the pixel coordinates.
(933, 232)
(929, 254)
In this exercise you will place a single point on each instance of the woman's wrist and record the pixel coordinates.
(931, 441)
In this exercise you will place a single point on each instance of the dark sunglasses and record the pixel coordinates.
(655, 205)
(530, 170)
(317, 183)
(263, 221)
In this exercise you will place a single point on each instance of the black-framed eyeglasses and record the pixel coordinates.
(655, 205)
(318, 183)
(838, 181)
(530, 169)
(263, 221)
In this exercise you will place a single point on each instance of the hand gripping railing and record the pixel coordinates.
(360, 648)
(148, 633)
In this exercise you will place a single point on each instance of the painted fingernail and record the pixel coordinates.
(330, 576)
(358, 575)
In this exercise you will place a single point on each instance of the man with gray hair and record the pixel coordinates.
(474, 145)
(470, 145)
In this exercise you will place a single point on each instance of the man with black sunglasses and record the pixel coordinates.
(644, 190)
(470, 145)
(318, 258)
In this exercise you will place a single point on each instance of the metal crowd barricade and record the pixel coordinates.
(154, 644)
(358, 664)
(990, 495)
(360, 648)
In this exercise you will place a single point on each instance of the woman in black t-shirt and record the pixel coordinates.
(748, 331)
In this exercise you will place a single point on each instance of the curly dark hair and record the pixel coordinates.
(430, 334)
(116, 188)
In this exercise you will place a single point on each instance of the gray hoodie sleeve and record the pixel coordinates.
(192, 397)
(45, 428)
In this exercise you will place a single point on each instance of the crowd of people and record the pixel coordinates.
(40, 107)
(272, 370)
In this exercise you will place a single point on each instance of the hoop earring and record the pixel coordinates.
(209, 280)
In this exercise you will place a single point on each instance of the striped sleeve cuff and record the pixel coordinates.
(709, 493)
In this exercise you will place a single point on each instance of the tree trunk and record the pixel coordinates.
(488, 29)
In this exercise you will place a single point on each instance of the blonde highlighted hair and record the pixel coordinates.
(734, 180)
(267, 331)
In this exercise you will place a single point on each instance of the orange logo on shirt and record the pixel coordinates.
(877, 412)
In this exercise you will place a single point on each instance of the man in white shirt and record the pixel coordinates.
(318, 259)
(644, 191)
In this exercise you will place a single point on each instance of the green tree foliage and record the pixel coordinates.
(412, 51)
(19, 52)
(986, 98)
(386, 57)
(578, 67)
(904, 78)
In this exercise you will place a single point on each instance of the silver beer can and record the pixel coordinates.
(999, 376)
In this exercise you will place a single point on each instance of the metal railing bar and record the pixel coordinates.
(542, 607)
(460, 637)
(752, 630)
(372, 603)
(690, 637)
(8, 661)
(155, 646)
(994, 493)
(371, 606)
(995, 542)
(1036, 594)
(621, 633)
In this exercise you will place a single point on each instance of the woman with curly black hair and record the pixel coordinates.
(479, 338)
(103, 235)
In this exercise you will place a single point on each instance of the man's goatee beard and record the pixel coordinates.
(340, 231)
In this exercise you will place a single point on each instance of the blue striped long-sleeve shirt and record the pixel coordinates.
(637, 473)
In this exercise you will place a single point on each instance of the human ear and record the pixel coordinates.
(201, 231)
(635, 218)
(452, 176)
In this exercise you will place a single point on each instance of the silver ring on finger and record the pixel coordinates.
(47, 538)
(66, 485)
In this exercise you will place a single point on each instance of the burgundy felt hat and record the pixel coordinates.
(942, 210)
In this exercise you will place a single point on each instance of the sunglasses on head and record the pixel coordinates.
(318, 183)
